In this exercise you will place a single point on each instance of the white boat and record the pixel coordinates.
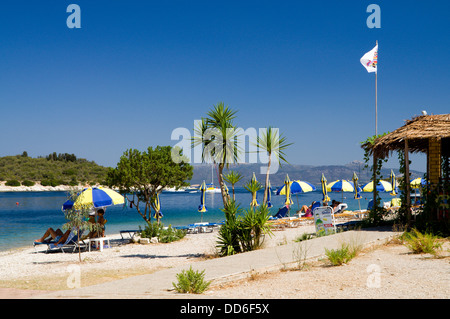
(173, 189)
(210, 188)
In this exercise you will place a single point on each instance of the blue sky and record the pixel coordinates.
(136, 70)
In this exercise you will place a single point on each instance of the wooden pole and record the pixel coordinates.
(408, 197)
(376, 133)
(376, 99)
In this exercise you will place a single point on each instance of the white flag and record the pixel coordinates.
(370, 60)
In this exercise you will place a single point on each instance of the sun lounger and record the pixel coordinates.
(72, 242)
(282, 212)
(130, 233)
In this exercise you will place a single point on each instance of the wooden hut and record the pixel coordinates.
(428, 134)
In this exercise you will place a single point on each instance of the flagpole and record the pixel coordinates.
(376, 133)
(376, 100)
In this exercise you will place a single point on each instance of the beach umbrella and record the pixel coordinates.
(393, 183)
(323, 182)
(254, 202)
(269, 195)
(287, 183)
(382, 186)
(202, 207)
(157, 203)
(341, 185)
(418, 182)
(355, 186)
(297, 187)
(95, 197)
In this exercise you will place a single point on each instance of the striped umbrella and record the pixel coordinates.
(157, 203)
(355, 186)
(254, 202)
(341, 185)
(202, 207)
(287, 183)
(393, 183)
(323, 182)
(418, 182)
(95, 197)
(382, 186)
(269, 195)
(296, 187)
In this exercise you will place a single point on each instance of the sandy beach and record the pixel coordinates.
(26, 273)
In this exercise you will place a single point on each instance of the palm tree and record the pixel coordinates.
(233, 178)
(218, 135)
(274, 144)
(253, 186)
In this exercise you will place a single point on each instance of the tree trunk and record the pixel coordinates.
(222, 186)
(267, 180)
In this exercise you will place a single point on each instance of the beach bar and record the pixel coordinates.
(429, 134)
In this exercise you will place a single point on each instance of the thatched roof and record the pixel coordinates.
(418, 131)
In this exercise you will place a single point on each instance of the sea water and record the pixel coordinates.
(25, 216)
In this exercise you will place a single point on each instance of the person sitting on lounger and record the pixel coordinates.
(101, 221)
(307, 210)
(338, 207)
(56, 235)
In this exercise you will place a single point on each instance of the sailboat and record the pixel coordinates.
(210, 188)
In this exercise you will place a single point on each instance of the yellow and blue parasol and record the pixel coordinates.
(269, 196)
(202, 207)
(382, 186)
(393, 183)
(323, 182)
(355, 186)
(340, 185)
(95, 197)
(157, 204)
(287, 191)
(254, 202)
(296, 187)
(418, 182)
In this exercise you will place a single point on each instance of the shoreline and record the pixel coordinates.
(36, 188)
(21, 268)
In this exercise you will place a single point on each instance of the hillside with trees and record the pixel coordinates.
(51, 170)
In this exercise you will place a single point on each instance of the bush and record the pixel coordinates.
(191, 281)
(420, 243)
(164, 235)
(341, 256)
(27, 183)
(51, 182)
(12, 182)
(245, 233)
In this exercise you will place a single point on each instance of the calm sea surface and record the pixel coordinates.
(25, 216)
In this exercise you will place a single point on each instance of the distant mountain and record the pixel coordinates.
(308, 173)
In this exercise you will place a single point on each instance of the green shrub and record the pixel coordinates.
(51, 182)
(12, 182)
(190, 281)
(27, 183)
(420, 243)
(341, 256)
(164, 235)
(243, 232)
